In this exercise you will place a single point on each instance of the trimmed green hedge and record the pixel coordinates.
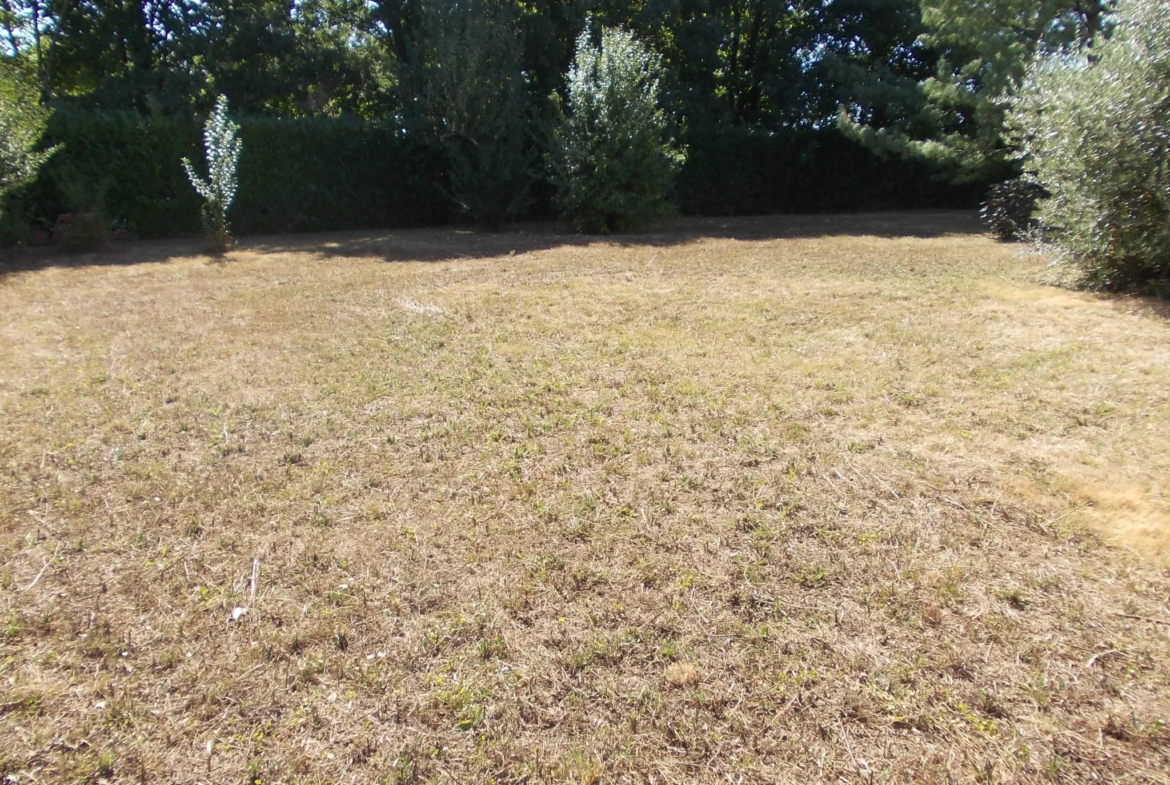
(741, 171)
(122, 163)
(313, 174)
(322, 174)
(325, 173)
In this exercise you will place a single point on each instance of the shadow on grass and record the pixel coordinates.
(446, 242)
(122, 254)
(1140, 305)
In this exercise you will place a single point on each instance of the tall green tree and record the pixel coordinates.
(276, 56)
(34, 34)
(726, 62)
(870, 58)
(955, 116)
(460, 82)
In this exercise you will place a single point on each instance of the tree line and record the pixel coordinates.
(593, 105)
(926, 72)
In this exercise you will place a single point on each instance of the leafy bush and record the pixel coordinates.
(1094, 129)
(1010, 208)
(300, 175)
(221, 144)
(462, 84)
(22, 123)
(614, 165)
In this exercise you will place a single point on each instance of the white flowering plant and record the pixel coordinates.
(222, 148)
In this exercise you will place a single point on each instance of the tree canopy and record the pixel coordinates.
(484, 80)
(926, 69)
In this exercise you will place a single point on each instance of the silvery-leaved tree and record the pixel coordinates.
(614, 163)
(1093, 128)
(222, 147)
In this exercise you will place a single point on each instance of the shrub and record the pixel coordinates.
(308, 174)
(463, 86)
(22, 123)
(614, 164)
(1094, 129)
(1010, 208)
(222, 147)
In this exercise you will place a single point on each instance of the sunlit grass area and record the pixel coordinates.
(848, 499)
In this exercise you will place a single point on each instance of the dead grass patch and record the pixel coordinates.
(763, 501)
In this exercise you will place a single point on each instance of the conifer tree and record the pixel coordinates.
(957, 116)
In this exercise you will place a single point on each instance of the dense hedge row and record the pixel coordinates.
(329, 173)
(746, 172)
(326, 173)
(121, 164)
(295, 175)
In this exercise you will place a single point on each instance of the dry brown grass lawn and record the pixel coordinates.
(775, 500)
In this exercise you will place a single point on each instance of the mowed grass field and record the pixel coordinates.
(847, 499)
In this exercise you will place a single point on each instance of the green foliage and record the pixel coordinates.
(324, 174)
(463, 85)
(466, 96)
(725, 61)
(127, 159)
(744, 171)
(22, 123)
(308, 174)
(956, 119)
(221, 146)
(614, 164)
(270, 56)
(1095, 131)
(872, 60)
(735, 62)
(1010, 208)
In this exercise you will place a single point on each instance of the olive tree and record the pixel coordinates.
(1093, 128)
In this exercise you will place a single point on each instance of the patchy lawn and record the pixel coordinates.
(844, 499)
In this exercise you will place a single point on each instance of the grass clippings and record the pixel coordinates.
(836, 499)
